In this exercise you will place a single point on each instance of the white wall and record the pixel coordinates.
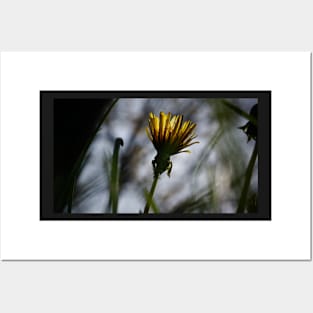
(165, 286)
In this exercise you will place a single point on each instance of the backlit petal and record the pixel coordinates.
(169, 133)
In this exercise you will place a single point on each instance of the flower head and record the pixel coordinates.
(169, 135)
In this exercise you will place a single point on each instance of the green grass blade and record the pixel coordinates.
(114, 183)
(245, 189)
(242, 113)
(71, 186)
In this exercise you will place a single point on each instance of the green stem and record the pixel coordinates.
(115, 175)
(146, 209)
(244, 193)
(152, 203)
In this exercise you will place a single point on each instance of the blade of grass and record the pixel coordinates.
(245, 189)
(107, 165)
(242, 113)
(206, 152)
(114, 183)
(210, 146)
(71, 186)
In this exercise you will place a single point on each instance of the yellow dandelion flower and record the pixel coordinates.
(170, 136)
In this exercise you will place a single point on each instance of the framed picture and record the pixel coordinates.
(118, 155)
(94, 167)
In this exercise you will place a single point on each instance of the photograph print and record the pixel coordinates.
(140, 155)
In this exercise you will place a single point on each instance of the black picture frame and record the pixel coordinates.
(47, 99)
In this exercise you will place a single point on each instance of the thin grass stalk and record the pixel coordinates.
(245, 189)
(114, 183)
(244, 114)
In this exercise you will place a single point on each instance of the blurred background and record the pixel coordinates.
(208, 180)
